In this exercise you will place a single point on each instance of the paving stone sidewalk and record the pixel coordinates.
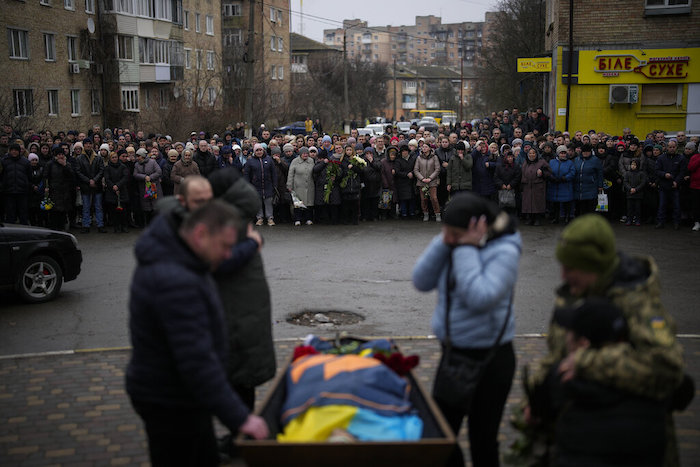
(72, 410)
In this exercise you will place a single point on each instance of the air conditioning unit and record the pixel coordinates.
(623, 94)
(74, 68)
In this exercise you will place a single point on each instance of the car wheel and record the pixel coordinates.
(40, 279)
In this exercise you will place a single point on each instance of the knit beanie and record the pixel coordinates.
(142, 152)
(288, 147)
(105, 147)
(33, 157)
(561, 148)
(587, 244)
(690, 145)
(326, 139)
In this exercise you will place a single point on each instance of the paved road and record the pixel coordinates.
(364, 268)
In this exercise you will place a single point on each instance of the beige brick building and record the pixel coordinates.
(270, 52)
(48, 56)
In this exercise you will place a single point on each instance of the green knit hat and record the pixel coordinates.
(588, 244)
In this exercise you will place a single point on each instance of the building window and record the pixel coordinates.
(666, 7)
(210, 60)
(210, 25)
(232, 37)
(50, 47)
(273, 72)
(90, 6)
(24, 102)
(45, 2)
(147, 98)
(18, 42)
(163, 10)
(188, 97)
(200, 96)
(125, 47)
(275, 15)
(199, 59)
(280, 72)
(74, 102)
(188, 58)
(280, 44)
(154, 51)
(95, 102)
(144, 8)
(196, 23)
(69, 4)
(130, 98)
(72, 48)
(177, 11)
(211, 96)
(52, 100)
(273, 43)
(232, 9)
(186, 20)
(164, 98)
(124, 6)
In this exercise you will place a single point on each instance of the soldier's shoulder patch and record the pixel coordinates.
(657, 323)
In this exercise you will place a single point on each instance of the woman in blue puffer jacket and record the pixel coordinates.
(560, 189)
(588, 181)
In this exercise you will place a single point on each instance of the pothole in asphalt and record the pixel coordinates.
(324, 318)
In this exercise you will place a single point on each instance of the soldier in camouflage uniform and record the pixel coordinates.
(651, 363)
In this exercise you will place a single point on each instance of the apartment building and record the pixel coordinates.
(427, 42)
(50, 62)
(269, 53)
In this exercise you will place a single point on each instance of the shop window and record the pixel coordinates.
(661, 94)
(666, 7)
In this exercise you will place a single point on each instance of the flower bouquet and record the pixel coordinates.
(333, 170)
(150, 191)
(46, 204)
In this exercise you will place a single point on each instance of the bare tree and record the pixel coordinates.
(518, 32)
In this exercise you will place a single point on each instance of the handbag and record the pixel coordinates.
(602, 203)
(459, 373)
(506, 198)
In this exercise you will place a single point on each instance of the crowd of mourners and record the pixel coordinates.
(114, 177)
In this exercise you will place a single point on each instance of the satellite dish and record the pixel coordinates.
(91, 26)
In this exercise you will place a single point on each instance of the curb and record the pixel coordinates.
(286, 339)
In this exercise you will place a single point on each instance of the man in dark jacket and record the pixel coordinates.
(176, 378)
(670, 168)
(444, 152)
(16, 172)
(204, 158)
(89, 174)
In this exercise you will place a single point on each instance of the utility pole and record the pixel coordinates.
(250, 77)
(395, 108)
(345, 75)
(461, 88)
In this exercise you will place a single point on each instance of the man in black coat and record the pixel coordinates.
(205, 159)
(16, 173)
(176, 378)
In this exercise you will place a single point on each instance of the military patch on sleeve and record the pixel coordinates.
(658, 323)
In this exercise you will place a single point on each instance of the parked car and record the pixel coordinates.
(377, 128)
(403, 127)
(36, 261)
(294, 128)
(428, 123)
(365, 131)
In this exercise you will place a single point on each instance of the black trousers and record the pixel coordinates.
(369, 208)
(178, 436)
(486, 411)
(17, 208)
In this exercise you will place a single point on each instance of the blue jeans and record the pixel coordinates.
(89, 200)
(664, 197)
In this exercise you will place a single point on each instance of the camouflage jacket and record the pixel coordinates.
(651, 363)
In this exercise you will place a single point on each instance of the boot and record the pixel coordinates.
(438, 217)
(426, 217)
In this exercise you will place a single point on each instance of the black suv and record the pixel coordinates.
(36, 261)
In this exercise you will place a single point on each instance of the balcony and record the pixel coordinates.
(408, 105)
(409, 89)
(300, 68)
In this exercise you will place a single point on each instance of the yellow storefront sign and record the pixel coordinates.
(639, 66)
(534, 65)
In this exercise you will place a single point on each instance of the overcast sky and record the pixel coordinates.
(329, 14)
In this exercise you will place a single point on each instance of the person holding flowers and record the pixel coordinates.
(328, 172)
(350, 185)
